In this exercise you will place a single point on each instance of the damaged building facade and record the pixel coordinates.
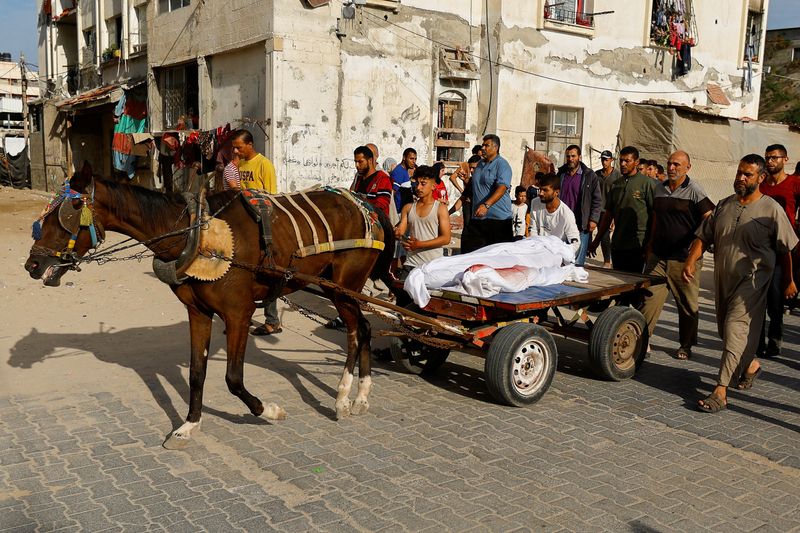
(92, 54)
(313, 79)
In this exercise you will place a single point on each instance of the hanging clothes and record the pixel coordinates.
(131, 117)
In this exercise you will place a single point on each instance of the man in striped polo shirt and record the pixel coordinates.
(679, 206)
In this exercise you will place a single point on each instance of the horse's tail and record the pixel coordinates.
(381, 269)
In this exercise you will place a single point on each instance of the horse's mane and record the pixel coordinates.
(154, 207)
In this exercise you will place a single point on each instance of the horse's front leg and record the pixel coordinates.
(364, 334)
(237, 327)
(200, 328)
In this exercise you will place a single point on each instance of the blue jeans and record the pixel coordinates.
(271, 313)
(586, 237)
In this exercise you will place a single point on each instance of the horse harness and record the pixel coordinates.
(262, 206)
(73, 219)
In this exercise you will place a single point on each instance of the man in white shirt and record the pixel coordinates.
(550, 216)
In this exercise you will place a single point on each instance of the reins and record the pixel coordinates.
(106, 255)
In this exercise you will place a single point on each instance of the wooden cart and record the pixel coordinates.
(513, 331)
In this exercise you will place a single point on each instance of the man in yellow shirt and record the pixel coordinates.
(257, 172)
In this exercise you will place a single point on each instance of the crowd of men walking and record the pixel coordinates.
(645, 220)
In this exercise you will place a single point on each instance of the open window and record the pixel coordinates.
(451, 130)
(90, 50)
(180, 97)
(576, 12)
(672, 24)
(557, 128)
(138, 31)
(753, 32)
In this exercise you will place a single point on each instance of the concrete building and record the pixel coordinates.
(90, 54)
(784, 45)
(12, 139)
(315, 78)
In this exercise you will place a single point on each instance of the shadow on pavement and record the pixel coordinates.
(157, 353)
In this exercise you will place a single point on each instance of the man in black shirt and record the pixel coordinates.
(680, 205)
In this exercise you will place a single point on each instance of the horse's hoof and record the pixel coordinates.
(360, 407)
(257, 408)
(342, 409)
(274, 411)
(181, 437)
(176, 443)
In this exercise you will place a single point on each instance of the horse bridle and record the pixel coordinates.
(74, 220)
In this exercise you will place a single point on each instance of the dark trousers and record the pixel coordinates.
(774, 312)
(605, 244)
(628, 260)
(483, 231)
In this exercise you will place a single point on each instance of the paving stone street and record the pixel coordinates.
(87, 398)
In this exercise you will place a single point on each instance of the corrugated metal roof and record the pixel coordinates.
(108, 92)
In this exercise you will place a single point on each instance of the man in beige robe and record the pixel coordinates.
(749, 232)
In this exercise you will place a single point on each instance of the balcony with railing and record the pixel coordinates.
(564, 17)
(568, 16)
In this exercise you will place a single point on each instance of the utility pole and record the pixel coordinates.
(24, 82)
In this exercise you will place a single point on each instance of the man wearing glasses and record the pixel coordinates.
(785, 189)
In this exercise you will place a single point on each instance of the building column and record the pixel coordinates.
(204, 97)
(273, 47)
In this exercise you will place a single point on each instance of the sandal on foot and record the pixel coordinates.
(683, 354)
(712, 404)
(746, 383)
(266, 329)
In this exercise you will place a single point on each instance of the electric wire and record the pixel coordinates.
(535, 74)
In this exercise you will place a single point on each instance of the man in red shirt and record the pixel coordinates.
(375, 184)
(785, 189)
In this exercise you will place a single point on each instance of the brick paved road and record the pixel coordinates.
(87, 400)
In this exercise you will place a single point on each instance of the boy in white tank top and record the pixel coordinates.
(426, 222)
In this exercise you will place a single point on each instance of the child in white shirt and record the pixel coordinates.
(519, 211)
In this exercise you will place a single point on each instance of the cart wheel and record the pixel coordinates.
(618, 342)
(520, 364)
(415, 357)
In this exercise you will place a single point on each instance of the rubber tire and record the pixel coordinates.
(608, 331)
(502, 356)
(429, 360)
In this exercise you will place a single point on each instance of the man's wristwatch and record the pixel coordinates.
(487, 206)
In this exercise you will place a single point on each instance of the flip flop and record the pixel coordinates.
(746, 383)
(712, 404)
(266, 329)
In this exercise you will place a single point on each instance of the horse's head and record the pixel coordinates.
(64, 232)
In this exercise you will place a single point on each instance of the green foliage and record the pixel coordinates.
(792, 116)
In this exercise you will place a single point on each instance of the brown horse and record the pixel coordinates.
(147, 216)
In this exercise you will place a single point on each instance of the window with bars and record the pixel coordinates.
(180, 97)
(451, 127)
(557, 128)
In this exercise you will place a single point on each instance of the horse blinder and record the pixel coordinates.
(69, 216)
